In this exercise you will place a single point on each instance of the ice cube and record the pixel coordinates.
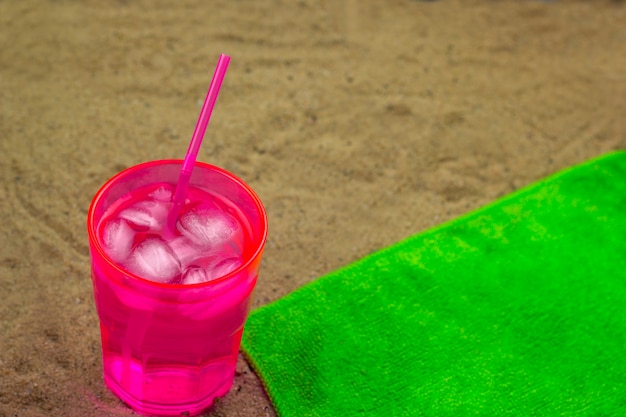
(223, 267)
(117, 239)
(146, 215)
(207, 226)
(162, 194)
(194, 275)
(154, 260)
(185, 251)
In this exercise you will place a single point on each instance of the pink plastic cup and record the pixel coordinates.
(169, 349)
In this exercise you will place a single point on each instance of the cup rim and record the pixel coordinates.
(95, 242)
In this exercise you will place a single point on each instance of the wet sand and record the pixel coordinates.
(357, 123)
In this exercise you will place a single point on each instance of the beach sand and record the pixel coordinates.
(358, 123)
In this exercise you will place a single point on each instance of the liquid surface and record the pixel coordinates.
(208, 241)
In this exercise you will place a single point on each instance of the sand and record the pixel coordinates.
(358, 123)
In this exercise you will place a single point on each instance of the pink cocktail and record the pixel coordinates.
(172, 301)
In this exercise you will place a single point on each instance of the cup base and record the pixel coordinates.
(173, 391)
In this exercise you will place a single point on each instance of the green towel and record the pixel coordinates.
(516, 309)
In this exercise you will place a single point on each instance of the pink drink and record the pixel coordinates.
(172, 304)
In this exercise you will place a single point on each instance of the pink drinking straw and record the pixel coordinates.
(196, 141)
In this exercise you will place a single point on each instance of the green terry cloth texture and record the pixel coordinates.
(516, 309)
